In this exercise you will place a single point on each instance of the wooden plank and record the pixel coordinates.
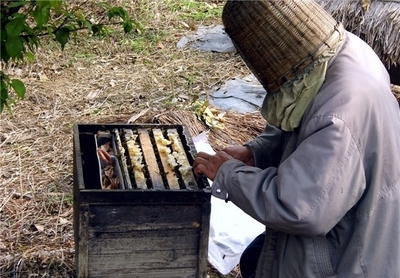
(142, 217)
(145, 197)
(145, 273)
(145, 251)
(150, 158)
(203, 240)
(82, 256)
(180, 155)
(123, 160)
(146, 259)
(87, 165)
(165, 151)
(104, 243)
(152, 251)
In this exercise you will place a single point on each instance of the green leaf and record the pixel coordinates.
(30, 56)
(88, 24)
(62, 36)
(3, 90)
(117, 11)
(56, 4)
(18, 87)
(97, 28)
(14, 47)
(16, 4)
(33, 42)
(3, 95)
(3, 52)
(127, 26)
(104, 5)
(84, 23)
(15, 26)
(41, 15)
(42, 3)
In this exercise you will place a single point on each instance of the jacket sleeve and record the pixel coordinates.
(310, 191)
(267, 148)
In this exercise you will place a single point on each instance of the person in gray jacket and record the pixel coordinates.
(324, 175)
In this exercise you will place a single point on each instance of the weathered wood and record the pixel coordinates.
(150, 158)
(86, 161)
(146, 273)
(83, 256)
(142, 233)
(203, 239)
(138, 253)
(144, 197)
(143, 217)
(121, 152)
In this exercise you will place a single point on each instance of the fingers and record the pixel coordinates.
(202, 170)
(241, 153)
(201, 166)
(104, 156)
(209, 164)
(204, 155)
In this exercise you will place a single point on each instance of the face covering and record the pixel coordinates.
(285, 108)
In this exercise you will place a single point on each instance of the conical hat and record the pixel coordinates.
(278, 38)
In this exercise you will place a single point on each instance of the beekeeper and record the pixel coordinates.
(324, 176)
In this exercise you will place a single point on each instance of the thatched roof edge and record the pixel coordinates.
(379, 26)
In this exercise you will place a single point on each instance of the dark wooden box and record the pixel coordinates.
(136, 232)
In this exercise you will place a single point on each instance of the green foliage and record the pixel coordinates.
(23, 23)
(196, 10)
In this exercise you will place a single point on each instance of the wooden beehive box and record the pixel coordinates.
(136, 232)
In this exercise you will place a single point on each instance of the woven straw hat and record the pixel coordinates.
(278, 38)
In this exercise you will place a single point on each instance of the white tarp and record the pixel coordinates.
(208, 38)
(241, 95)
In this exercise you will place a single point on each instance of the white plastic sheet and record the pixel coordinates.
(231, 230)
(208, 38)
(241, 95)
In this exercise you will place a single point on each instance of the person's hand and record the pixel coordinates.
(208, 165)
(241, 153)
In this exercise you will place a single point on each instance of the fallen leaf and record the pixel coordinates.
(93, 94)
(39, 228)
(63, 221)
(184, 97)
(43, 77)
(137, 116)
(184, 24)
(160, 45)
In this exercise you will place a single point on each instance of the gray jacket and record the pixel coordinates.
(328, 193)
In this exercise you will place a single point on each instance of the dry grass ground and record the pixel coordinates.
(95, 80)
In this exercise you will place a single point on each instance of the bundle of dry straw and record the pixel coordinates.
(378, 24)
(238, 128)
